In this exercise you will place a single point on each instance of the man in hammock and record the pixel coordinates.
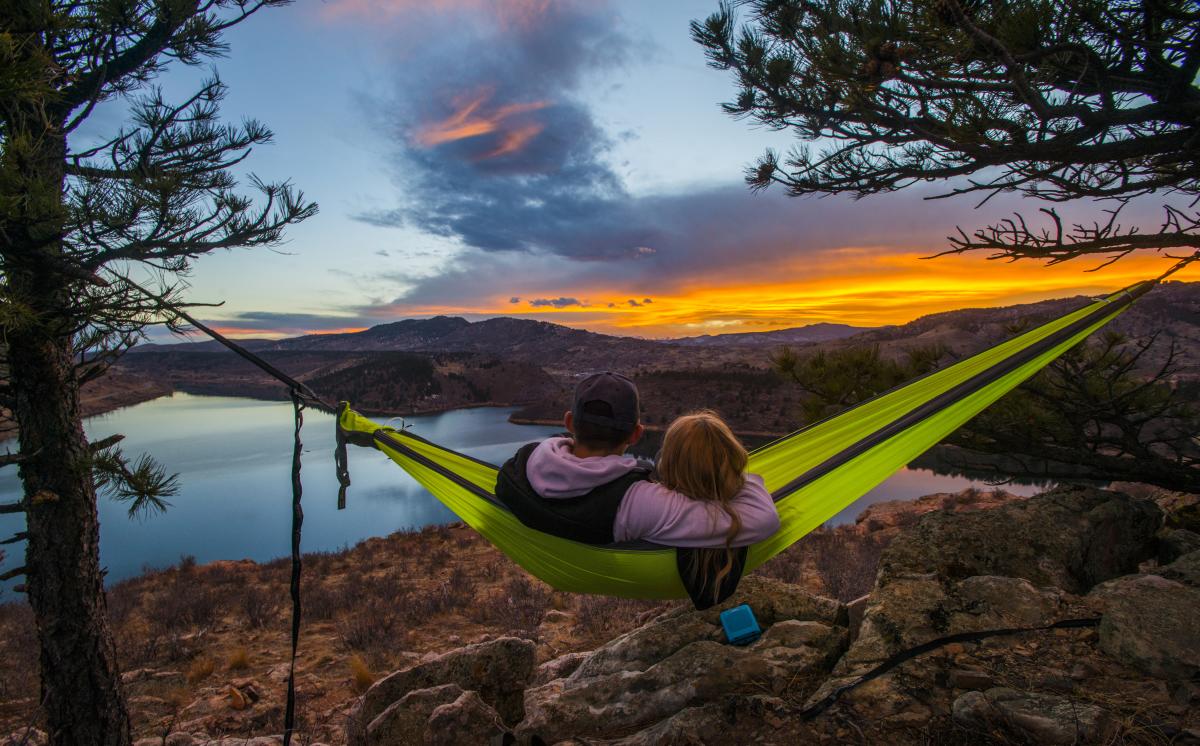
(585, 488)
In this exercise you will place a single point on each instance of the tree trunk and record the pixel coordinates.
(81, 693)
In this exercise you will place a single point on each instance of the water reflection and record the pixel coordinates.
(233, 457)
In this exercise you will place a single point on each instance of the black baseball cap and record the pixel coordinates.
(613, 389)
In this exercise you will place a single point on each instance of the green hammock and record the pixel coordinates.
(813, 473)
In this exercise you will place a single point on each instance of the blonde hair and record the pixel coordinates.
(702, 459)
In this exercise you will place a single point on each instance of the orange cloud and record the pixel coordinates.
(474, 118)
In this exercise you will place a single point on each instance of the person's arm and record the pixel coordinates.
(654, 513)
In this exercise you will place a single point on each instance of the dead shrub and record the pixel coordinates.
(519, 609)
(846, 563)
(605, 617)
(322, 601)
(257, 607)
(371, 629)
(182, 605)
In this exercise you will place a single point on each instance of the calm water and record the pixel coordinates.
(233, 458)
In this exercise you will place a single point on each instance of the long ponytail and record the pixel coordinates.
(701, 458)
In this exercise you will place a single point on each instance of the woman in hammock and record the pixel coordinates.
(586, 489)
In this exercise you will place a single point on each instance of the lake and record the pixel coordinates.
(233, 457)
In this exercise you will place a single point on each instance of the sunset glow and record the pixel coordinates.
(888, 289)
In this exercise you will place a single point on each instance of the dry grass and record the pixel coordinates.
(361, 676)
(200, 669)
(239, 660)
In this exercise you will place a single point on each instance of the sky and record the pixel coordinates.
(563, 160)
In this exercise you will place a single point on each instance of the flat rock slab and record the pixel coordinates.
(1036, 718)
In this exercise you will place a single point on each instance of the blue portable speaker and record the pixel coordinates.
(741, 628)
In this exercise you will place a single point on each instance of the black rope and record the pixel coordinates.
(289, 716)
(301, 396)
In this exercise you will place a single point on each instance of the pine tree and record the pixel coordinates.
(74, 224)
(1054, 99)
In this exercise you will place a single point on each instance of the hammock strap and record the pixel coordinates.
(961, 391)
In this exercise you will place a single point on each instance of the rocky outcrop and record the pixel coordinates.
(497, 671)
(680, 661)
(960, 572)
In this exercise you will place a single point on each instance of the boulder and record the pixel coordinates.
(498, 670)
(1033, 718)
(1150, 622)
(1070, 538)
(680, 661)
(405, 721)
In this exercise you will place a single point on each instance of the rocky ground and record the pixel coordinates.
(1070, 617)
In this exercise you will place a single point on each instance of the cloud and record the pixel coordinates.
(276, 323)
(495, 148)
(634, 303)
(555, 302)
(515, 299)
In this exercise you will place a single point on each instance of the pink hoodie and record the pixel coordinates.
(650, 511)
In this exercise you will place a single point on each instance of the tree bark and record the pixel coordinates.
(81, 692)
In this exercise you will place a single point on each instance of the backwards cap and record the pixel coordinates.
(613, 389)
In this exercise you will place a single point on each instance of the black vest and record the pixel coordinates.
(589, 519)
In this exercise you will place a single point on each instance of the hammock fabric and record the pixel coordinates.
(813, 473)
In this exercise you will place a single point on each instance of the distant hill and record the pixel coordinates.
(796, 335)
